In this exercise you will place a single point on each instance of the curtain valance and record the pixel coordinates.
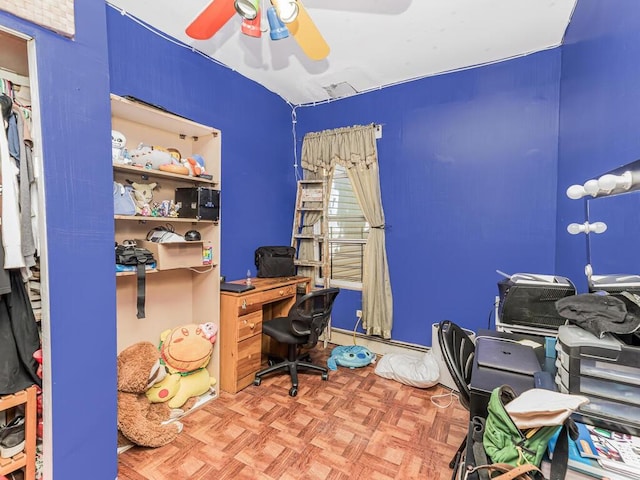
(349, 146)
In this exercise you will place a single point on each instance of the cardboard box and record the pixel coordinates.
(171, 255)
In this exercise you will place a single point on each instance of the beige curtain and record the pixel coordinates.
(355, 149)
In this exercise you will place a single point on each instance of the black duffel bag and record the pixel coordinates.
(130, 254)
(275, 261)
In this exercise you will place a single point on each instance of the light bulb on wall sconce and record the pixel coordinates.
(592, 187)
(586, 227)
(588, 271)
(287, 10)
(610, 182)
(576, 192)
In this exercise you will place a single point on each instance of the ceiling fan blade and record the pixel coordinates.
(307, 35)
(212, 19)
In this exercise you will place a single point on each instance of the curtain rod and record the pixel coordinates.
(339, 130)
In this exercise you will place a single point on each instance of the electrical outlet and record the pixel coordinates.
(378, 130)
(359, 313)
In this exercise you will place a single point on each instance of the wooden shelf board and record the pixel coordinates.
(202, 400)
(140, 218)
(145, 114)
(160, 174)
(126, 274)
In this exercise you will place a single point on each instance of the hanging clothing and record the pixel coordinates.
(5, 279)
(10, 205)
(26, 179)
(19, 339)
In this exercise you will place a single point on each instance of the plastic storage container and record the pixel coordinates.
(589, 386)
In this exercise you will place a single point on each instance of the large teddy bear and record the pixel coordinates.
(139, 420)
(186, 351)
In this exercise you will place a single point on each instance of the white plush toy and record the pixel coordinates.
(118, 143)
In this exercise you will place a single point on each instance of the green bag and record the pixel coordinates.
(504, 442)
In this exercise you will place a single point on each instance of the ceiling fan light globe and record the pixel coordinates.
(277, 29)
(247, 8)
(251, 28)
(287, 10)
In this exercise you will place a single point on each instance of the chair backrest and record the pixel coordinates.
(310, 315)
(458, 351)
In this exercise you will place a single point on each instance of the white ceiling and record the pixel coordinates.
(374, 43)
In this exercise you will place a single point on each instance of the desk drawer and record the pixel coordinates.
(253, 302)
(249, 325)
(249, 355)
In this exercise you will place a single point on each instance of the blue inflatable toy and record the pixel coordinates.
(352, 356)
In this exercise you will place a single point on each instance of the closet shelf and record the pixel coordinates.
(145, 174)
(140, 218)
(127, 274)
(26, 458)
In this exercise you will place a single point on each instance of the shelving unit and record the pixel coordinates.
(27, 458)
(180, 290)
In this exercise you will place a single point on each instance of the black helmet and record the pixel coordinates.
(192, 236)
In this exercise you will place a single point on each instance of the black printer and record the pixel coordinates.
(529, 299)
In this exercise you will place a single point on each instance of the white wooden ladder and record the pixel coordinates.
(309, 236)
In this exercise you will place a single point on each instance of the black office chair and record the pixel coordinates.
(458, 351)
(305, 322)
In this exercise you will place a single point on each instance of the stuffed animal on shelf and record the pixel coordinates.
(151, 157)
(352, 356)
(140, 421)
(186, 351)
(143, 197)
(118, 151)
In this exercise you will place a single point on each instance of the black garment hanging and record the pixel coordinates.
(6, 104)
(19, 339)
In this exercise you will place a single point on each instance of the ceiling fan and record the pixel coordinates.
(290, 13)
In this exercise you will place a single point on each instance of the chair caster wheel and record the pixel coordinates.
(325, 376)
(293, 391)
(257, 381)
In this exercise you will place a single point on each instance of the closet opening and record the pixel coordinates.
(24, 346)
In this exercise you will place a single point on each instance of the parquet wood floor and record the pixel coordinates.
(356, 425)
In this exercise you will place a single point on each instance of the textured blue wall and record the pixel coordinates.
(468, 167)
(469, 170)
(599, 117)
(74, 91)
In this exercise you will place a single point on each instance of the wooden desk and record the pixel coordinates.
(242, 348)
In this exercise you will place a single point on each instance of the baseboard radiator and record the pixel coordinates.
(377, 345)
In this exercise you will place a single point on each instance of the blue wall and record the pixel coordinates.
(468, 167)
(599, 117)
(471, 177)
(74, 91)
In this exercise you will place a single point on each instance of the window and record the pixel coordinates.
(347, 232)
